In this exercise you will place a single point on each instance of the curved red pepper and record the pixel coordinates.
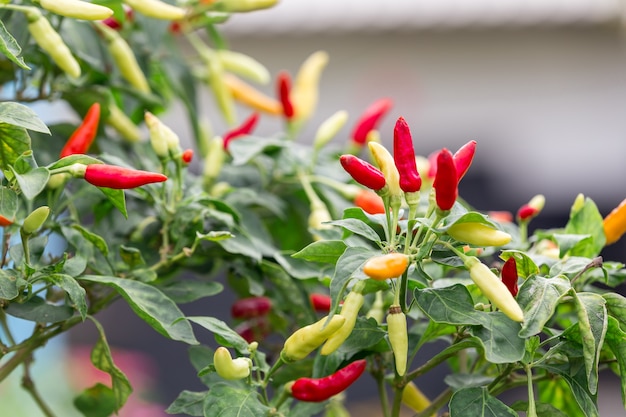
(112, 176)
(404, 157)
(320, 302)
(463, 158)
(363, 172)
(509, 275)
(245, 128)
(446, 180)
(370, 119)
(321, 389)
(249, 307)
(83, 136)
(284, 88)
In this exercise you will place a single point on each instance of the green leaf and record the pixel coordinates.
(525, 265)
(616, 341)
(33, 182)
(451, 305)
(587, 221)
(96, 401)
(327, 251)
(76, 293)
(131, 256)
(102, 359)
(616, 305)
(150, 304)
(188, 402)
(10, 48)
(74, 159)
(8, 284)
(499, 336)
(187, 291)
(469, 217)
(93, 238)
(538, 297)
(224, 334)
(358, 227)
(214, 236)
(298, 268)
(228, 401)
(568, 242)
(460, 381)
(21, 116)
(477, 402)
(365, 334)
(241, 245)
(14, 141)
(349, 262)
(592, 322)
(245, 149)
(578, 385)
(117, 198)
(8, 203)
(38, 310)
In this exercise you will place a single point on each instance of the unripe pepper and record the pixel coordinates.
(157, 9)
(244, 129)
(509, 275)
(398, 337)
(385, 162)
(77, 9)
(493, 288)
(35, 220)
(283, 82)
(83, 136)
(329, 128)
(446, 181)
(369, 202)
(118, 120)
(320, 302)
(239, 6)
(414, 398)
(117, 177)
(318, 218)
(244, 65)
(463, 158)
(478, 234)
(615, 223)
(350, 310)
(229, 368)
(321, 389)
(304, 94)
(363, 172)
(308, 338)
(250, 96)
(163, 139)
(404, 157)
(387, 266)
(369, 120)
(249, 307)
(50, 41)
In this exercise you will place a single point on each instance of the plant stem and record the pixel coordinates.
(532, 411)
(397, 400)
(29, 385)
(441, 400)
(379, 375)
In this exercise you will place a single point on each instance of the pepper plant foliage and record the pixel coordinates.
(284, 223)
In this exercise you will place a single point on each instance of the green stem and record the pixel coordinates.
(379, 376)
(280, 362)
(5, 328)
(532, 411)
(397, 400)
(29, 385)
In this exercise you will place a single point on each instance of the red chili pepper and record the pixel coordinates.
(246, 308)
(187, 156)
(446, 180)
(255, 329)
(83, 136)
(370, 119)
(4, 221)
(463, 158)
(404, 157)
(113, 23)
(321, 389)
(284, 88)
(112, 176)
(370, 202)
(363, 172)
(245, 128)
(432, 165)
(526, 212)
(509, 275)
(320, 302)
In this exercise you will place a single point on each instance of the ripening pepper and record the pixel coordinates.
(478, 234)
(229, 368)
(531, 209)
(382, 267)
(308, 338)
(369, 202)
(250, 96)
(350, 310)
(404, 157)
(51, 42)
(320, 302)
(35, 220)
(463, 158)
(493, 288)
(321, 389)
(245, 128)
(76, 9)
(85, 133)
(116, 177)
(283, 82)
(157, 9)
(304, 93)
(369, 120)
(243, 65)
(4, 222)
(509, 275)
(385, 162)
(249, 307)
(615, 223)
(363, 172)
(398, 337)
(446, 181)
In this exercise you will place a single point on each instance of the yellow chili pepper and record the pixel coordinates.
(383, 267)
(478, 234)
(308, 338)
(77, 9)
(329, 128)
(304, 94)
(398, 337)
(157, 9)
(250, 96)
(615, 223)
(118, 120)
(414, 398)
(246, 5)
(244, 65)
(229, 368)
(385, 162)
(350, 310)
(221, 91)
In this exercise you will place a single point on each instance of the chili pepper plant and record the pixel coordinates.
(347, 255)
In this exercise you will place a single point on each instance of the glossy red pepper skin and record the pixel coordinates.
(112, 176)
(369, 120)
(187, 156)
(509, 275)
(321, 389)
(83, 136)
(4, 221)
(463, 158)
(245, 128)
(370, 202)
(404, 157)
(526, 212)
(249, 307)
(363, 172)
(320, 302)
(446, 181)
(284, 89)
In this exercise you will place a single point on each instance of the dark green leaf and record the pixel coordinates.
(8, 203)
(241, 245)
(95, 239)
(117, 198)
(577, 382)
(525, 265)
(327, 251)
(358, 227)
(33, 182)
(21, 116)
(365, 334)
(131, 256)
(188, 402)
(10, 48)
(246, 148)
(8, 284)
(96, 401)
(225, 334)
(347, 264)
(151, 305)
(616, 340)
(459, 381)
(587, 221)
(14, 141)
(616, 305)
(36, 309)
(74, 159)
(538, 297)
(569, 242)
(451, 305)
(228, 401)
(477, 402)
(499, 336)
(469, 217)
(182, 292)
(75, 292)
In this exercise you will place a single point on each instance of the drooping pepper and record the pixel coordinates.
(77, 9)
(369, 120)
(493, 288)
(304, 93)
(320, 302)
(244, 129)
(249, 307)
(157, 9)
(615, 223)
(369, 202)
(398, 337)
(283, 82)
(350, 310)
(229, 368)
(308, 338)
(363, 172)
(509, 275)
(446, 181)
(321, 389)
(250, 96)
(478, 234)
(112, 176)
(463, 158)
(83, 136)
(382, 267)
(404, 157)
